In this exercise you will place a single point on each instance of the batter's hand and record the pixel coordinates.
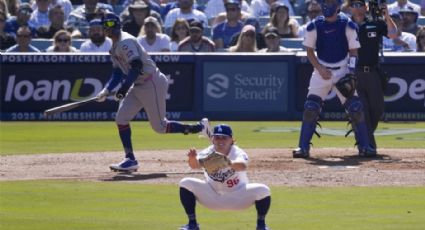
(101, 96)
(325, 73)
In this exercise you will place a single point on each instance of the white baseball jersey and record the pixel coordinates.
(226, 189)
(227, 179)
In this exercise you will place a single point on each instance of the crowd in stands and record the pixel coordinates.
(184, 25)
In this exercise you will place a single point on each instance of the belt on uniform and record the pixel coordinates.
(333, 68)
(366, 68)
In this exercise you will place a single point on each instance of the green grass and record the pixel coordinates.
(59, 137)
(52, 205)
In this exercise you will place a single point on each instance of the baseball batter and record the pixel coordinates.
(142, 86)
(334, 37)
(227, 188)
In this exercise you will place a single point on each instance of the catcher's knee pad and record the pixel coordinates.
(354, 108)
(312, 107)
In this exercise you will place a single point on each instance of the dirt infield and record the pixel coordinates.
(327, 167)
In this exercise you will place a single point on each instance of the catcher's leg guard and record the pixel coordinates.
(312, 108)
(355, 110)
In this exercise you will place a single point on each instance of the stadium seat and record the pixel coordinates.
(43, 44)
(295, 43)
(421, 21)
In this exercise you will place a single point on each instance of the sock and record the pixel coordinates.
(178, 127)
(125, 135)
(262, 207)
(188, 201)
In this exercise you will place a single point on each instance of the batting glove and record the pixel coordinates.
(101, 97)
(122, 92)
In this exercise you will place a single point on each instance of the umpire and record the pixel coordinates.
(370, 85)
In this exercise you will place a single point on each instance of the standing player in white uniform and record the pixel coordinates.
(334, 37)
(226, 189)
(142, 86)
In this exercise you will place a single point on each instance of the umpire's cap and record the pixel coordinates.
(223, 130)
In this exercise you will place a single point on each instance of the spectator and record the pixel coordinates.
(98, 41)
(125, 14)
(21, 19)
(246, 41)
(23, 40)
(40, 16)
(57, 17)
(82, 15)
(420, 39)
(4, 7)
(223, 32)
(272, 37)
(138, 11)
(410, 18)
(62, 42)
(196, 42)
(259, 37)
(287, 27)
(66, 6)
(185, 11)
(199, 5)
(261, 8)
(396, 6)
(215, 8)
(313, 10)
(152, 5)
(423, 7)
(12, 7)
(6, 39)
(179, 32)
(404, 42)
(152, 38)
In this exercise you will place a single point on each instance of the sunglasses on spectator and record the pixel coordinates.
(23, 35)
(250, 34)
(233, 9)
(271, 36)
(357, 4)
(181, 28)
(64, 40)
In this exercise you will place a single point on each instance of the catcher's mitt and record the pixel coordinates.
(214, 161)
(347, 85)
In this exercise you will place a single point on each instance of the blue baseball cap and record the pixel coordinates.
(223, 130)
(96, 22)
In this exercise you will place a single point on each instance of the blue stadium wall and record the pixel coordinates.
(219, 86)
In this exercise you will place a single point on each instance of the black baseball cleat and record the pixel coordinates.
(367, 152)
(301, 153)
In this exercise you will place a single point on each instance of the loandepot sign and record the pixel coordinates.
(341, 132)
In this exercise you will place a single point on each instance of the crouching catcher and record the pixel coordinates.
(226, 186)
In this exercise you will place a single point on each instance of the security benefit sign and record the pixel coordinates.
(246, 86)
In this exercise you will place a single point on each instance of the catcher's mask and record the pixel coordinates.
(223, 130)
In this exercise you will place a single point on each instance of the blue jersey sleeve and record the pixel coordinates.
(116, 77)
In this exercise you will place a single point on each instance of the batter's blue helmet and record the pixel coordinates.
(111, 20)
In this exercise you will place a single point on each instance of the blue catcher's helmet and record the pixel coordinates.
(111, 21)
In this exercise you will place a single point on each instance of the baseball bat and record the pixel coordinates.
(68, 106)
(72, 105)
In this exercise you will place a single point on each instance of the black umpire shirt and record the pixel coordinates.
(370, 35)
